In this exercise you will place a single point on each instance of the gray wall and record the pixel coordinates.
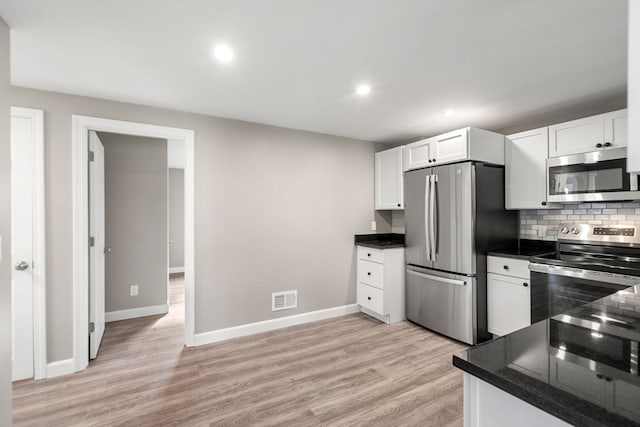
(5, 230)
(135, 220)
(176, 217)
(275, 209)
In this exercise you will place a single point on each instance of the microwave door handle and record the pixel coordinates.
(434, 212)
(427, 188)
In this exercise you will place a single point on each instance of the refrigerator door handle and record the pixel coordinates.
(437, 278)
(435, 235)
(432, 225)
(427, 188)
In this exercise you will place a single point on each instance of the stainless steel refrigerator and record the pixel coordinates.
(454, 214)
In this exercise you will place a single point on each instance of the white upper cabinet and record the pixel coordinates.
(616, 127)
(525, 155)
(456, 146)
(418, 154)
(600, 132)
(450, 147)
(389, 181)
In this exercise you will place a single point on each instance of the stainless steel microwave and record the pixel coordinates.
(591, 177)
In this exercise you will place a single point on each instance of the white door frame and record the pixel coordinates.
(81, 126)
(39, 241)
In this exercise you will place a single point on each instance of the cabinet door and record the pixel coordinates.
(576, 136)
(525, 170)
(450, 147)
(388, 173)
(508, 303)
(576, 380)
(417, 154)
(615, 128)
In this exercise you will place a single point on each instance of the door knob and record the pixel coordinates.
(21, 266)
(107, 251)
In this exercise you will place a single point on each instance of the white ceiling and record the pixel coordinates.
(498, 63)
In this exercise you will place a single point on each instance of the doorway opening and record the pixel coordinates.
(83, 130)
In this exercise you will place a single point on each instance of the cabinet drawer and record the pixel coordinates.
(371, 254)
(371, 273)
(508, 266)
(371, 298)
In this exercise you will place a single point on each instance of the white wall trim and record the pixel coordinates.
(269, 325)
(39, 242)
(176, 270)
(133, 313)
(81, 125)
(61, 367)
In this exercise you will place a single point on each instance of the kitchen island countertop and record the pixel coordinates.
(580, 366)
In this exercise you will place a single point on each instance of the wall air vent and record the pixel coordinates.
(284, 300)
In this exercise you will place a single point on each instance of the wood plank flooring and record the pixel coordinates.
(346, 371)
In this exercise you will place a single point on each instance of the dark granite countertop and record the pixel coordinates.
(580, 366)
(525, 249)
(380, 240)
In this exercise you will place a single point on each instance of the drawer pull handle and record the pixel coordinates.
(368, 254)
(598, 145)
(608, 144)
(369, 273)
(506, 267)
(525, 284)
(369, 298)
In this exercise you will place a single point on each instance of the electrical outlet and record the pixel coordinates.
(133, 291)
(373, 226)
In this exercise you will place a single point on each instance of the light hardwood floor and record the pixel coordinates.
(346, 371)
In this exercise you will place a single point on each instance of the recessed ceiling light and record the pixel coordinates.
(223, 53)
(363, 90)
(449, 112)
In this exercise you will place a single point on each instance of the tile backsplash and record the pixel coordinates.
(544, 224)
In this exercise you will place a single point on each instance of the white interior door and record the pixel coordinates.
(22, 143)
(97, 246)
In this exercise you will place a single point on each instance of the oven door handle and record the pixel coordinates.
(596, 276)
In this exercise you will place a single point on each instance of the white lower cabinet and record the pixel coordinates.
(508, 295)
(488, 406)
(380, 283)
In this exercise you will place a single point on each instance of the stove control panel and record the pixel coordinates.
(627, 234)
(610, 231)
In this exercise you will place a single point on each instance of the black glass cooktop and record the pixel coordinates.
(619, 260)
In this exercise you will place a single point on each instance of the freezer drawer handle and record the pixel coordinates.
(438, 279)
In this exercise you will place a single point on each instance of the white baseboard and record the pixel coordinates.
(133, 313)
(61, 367)
(176, 270)
(269, 325)
(375, 315)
